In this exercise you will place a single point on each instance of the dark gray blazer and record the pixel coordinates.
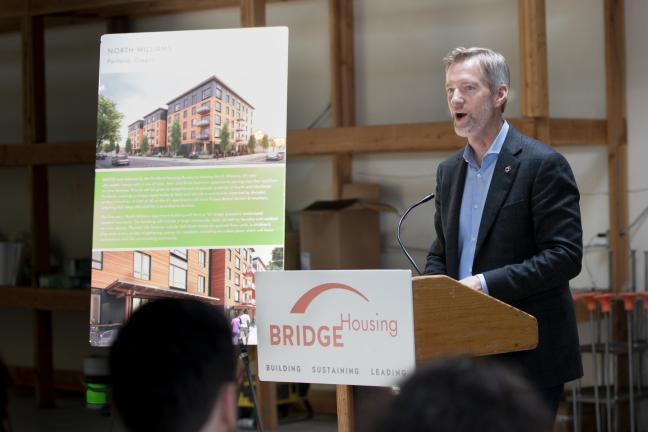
(528, 248)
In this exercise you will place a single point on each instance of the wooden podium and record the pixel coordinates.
(451, 319)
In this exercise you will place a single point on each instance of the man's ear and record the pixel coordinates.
(501, 95)
(223, 415)
(227, 404)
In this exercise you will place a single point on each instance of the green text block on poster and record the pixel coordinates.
(215, 207)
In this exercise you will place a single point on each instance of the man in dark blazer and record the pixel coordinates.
(508, 219)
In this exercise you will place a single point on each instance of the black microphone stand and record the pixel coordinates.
(400, 222)
(243, 355)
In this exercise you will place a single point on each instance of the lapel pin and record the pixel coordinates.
(507, 169)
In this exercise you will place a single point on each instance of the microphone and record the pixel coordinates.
(400, 222)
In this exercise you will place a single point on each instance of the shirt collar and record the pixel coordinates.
(495, 147)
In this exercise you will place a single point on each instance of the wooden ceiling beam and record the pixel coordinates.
(418, 137)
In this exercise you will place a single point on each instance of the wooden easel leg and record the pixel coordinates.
(346, 421)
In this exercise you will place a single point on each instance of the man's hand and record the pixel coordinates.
(472, 282)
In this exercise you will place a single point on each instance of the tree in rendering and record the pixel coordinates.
(129, 146)
(175, 136)
(251, 143)
(117, 148)
(265, 143)
(144, 145)
(224, 138)
(108, 123)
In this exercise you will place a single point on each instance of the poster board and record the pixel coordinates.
(190, 170)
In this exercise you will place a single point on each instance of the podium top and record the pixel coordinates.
(452, 319)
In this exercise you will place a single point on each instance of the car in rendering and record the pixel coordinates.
(120, 159)
(274, 155)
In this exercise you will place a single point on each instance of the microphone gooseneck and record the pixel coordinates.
(400, 222)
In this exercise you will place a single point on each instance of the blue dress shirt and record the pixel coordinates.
(478, 179)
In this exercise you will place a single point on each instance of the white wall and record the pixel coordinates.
(399, 79)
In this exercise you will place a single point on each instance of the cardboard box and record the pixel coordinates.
(342, 234)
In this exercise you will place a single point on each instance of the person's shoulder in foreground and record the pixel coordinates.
(172, 368)
(465, 395)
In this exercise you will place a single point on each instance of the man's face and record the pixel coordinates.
(472, 105)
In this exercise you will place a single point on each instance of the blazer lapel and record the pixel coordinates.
(455, 194)
(503, 176)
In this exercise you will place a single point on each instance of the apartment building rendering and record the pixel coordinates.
(155, 129)
(232, 280)
(201, 114)
(203, 111)
(135, 134)
(124, 280)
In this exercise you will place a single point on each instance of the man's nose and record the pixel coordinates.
(456, 98)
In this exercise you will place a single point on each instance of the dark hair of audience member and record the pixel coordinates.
(5, 382)
(169, 363)
(462, 395)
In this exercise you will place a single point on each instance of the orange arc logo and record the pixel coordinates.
(305, 300)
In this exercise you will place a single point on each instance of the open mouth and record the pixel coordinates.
(460, 115)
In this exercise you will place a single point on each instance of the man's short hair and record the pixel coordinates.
(169, 363)
(492, 63)
(465, 394)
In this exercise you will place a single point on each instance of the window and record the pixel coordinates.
(237, 279)
(219, 94)
(186, 103)
(184, 136)
(218, 106)
(229, 274)
(193, 111)
(97, 260)
(178, 269)
(236, 295)
(218, 119)
(229, 254)
(202, 258)
(184, 114)
(217, 132)
(177, 107)
(229, 292)
(141, 265)
(206, 93)
(137, 302)
(193, 134)
(194, 99)
(201, 284)
(238, 262)
(184, 124)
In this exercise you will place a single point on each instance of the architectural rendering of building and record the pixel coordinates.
(124, 280)
(155, 129)
(203, 111)
(232, 279)
(135, 134)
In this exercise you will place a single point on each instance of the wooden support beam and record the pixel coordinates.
(51, 154)
(45, 299)
(342, 83)
(534, 88)
(48, 7)
(428, 137)
(418, 137)
(616, 141)
(35, 131)
(345, 417)
(253, 13)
